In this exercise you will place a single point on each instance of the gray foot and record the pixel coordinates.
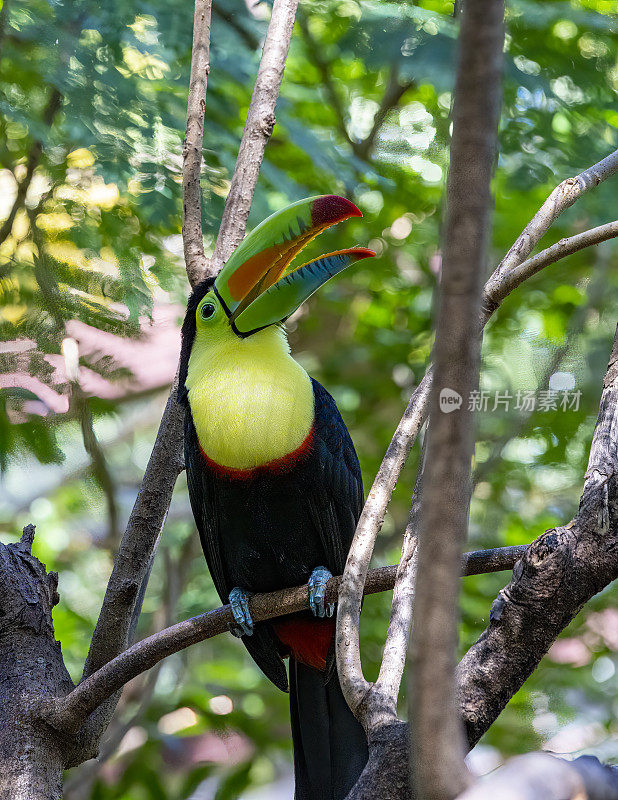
(317, 593)
(239, 600)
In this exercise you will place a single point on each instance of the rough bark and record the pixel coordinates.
(31, 666)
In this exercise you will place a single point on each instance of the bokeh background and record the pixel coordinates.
(92, 287)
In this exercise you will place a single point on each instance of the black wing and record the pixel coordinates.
(336, 498)
(203, 495)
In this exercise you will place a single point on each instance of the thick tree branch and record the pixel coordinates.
(438, 749)
(192, 235)
(257, 132)
(560, 572)
(69, 712)
(541, 776)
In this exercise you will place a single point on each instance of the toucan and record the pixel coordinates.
(274, 480)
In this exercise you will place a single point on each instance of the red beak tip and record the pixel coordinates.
(332, 208)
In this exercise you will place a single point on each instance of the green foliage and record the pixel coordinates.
(93, 98)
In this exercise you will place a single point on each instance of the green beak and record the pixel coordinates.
(257, 287)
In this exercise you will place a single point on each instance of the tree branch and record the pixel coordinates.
(69, 712)
(562, 197)
(257, 132)
(438, 749)
(495, 292)
(192, 235)
(390, 100)
(51, 109)
(356, 688)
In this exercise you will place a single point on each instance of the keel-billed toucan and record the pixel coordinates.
(273, 476)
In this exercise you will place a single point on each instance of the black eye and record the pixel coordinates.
(208, 309)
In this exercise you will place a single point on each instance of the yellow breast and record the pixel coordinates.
(251, 402)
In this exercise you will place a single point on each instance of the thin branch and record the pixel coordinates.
(385, 691)
(314, 52)
(562, 197)
(192, 235)
(69, 712)
(230, 18)
(390, 100)
(497, 290)
(438, 749)
(51, 109)
(353, 683)
(258, 129)
(541, 776)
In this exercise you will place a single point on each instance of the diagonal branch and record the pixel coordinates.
(395, 90)
(562, 197)
(372, 706)
(192, 234)
(257, 132)
(69, 712)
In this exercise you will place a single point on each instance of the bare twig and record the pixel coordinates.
(395, 90)
(51, 109)
(192, 235)
(353, 683)
(497, 289)
(541, 776)
(143, 528)
(257, 132)
(438, 768)
(562, 197)
(70, 711)
(314, 53)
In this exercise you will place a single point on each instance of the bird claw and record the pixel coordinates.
(317, 593)
(239, 601)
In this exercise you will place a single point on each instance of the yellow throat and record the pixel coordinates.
(251, 402)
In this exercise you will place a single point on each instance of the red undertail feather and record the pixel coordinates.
(308, 640)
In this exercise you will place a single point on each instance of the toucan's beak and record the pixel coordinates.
(258, 288)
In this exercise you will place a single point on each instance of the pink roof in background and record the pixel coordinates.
(152, 360)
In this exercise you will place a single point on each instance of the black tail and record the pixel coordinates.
(330, 746)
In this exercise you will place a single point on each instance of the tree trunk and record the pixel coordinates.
(32, 755)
